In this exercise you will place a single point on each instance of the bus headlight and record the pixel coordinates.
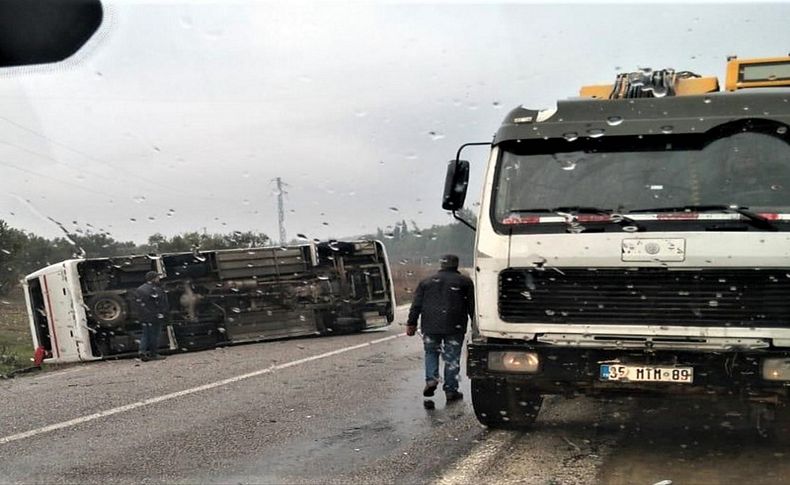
(776, 369)
(510, 361)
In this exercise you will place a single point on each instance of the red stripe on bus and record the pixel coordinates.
(51, 318)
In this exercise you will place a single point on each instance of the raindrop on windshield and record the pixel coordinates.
(630, 228)
(435, 135)
(614, 120)
(781, 130)
(567, 164)
(706, 100)
(394, 209)
(139, 199)
(596, 132)
(496, 104)
(571, 136)
(667, 129)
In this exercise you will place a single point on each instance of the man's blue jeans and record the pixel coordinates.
(449, 347)
(149, 341)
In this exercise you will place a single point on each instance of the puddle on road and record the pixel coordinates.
(705, 442)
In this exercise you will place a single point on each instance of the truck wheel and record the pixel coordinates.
(108, 309)
(504, 405)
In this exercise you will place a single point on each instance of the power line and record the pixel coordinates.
(99, 161)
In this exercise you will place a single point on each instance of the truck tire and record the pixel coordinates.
(108, 309)
(504, 405)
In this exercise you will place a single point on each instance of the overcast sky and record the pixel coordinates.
(176, 117)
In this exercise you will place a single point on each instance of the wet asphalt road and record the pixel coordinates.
(347, 409)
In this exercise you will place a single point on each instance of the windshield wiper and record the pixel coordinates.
(615, 217)
(753, 218)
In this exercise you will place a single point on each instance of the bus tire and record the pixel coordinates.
(108, 309)
(346, 325)
(501, 404)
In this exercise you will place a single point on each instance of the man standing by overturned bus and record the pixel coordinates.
(443, 303)
(152, 310)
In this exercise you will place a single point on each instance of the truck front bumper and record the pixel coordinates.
(574, 371)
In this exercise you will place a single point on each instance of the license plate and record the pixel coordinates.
(646, 373)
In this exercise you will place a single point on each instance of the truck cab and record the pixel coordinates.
(635, 241)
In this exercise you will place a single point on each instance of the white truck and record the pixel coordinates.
(82, 309)
(635, 241)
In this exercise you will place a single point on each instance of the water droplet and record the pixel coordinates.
(567, 164)
(571, 136)
(132, 219)
(139, 199)
(667, 129)
(394, 209)
(550, 312)
(596, 132)
(781, 130)
(435, 135)
(630, 229)
(496, 104)
(776, 187)
(614, 120)
(706, 100)
(713, 303)
(236, 309)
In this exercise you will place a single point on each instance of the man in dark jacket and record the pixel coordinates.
(152, 310)
(443, 303)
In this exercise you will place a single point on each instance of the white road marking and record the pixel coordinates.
(186, 392)
(468, 470)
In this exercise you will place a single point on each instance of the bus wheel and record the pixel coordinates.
(504, 405)
(108, 309)
(346, 325)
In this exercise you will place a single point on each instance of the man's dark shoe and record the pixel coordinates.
(430, 388)
(145, 357)
(453, 396)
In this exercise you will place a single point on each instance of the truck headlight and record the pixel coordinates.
(510, 361)
(776, 369)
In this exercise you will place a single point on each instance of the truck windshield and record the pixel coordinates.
(747, 169)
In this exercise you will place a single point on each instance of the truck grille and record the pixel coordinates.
(709, 297)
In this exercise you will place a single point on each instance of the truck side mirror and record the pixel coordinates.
(455, 185)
